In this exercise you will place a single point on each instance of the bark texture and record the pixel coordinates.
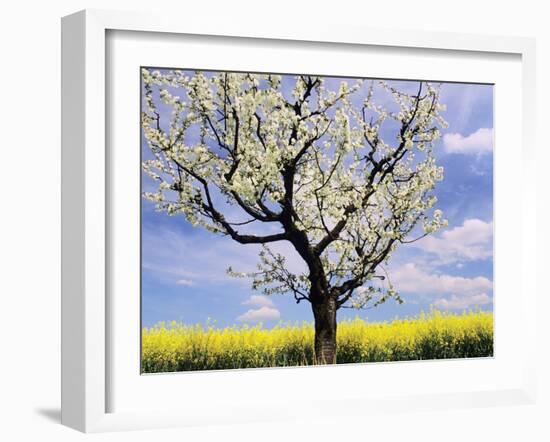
(324, 313)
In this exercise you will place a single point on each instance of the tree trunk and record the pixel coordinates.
(324, 313)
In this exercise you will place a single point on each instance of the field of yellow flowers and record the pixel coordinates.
(169, 347)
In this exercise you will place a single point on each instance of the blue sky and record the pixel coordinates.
(184, 267)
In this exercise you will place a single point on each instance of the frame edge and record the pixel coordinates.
(73, 80)
(83, 370)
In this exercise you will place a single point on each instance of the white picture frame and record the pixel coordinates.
(86, 315)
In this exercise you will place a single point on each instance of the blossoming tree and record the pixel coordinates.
(339, 176)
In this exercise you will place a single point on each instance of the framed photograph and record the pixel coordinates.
(251, 215)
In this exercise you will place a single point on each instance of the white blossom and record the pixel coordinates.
(244, 138)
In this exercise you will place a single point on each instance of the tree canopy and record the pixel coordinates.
(345, 174)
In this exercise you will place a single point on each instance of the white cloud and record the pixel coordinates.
(461, 303)
(470, 242)
(259, 301)
(445, 292)
(410, 278)
(480, 141)
(185, 282)
(260, 314)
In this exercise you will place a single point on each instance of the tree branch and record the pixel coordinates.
(220, 219)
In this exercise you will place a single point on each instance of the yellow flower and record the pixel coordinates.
(434, 335)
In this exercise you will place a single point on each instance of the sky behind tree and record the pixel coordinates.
(184, 274)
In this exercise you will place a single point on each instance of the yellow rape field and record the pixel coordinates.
(174, 346)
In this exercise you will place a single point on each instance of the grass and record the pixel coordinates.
(169, 347)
